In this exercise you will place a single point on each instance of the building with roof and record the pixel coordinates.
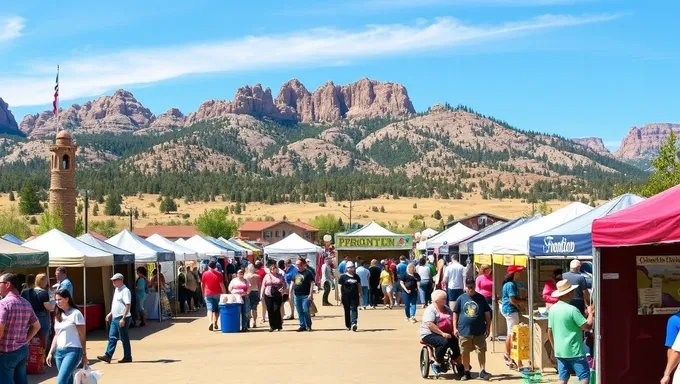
(270, 232)
(170, 232)
(477, 221)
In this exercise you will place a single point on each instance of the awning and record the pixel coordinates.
(16, 256)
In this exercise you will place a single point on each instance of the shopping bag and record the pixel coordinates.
(86, 375)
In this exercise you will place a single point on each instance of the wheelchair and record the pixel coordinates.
(427, 358)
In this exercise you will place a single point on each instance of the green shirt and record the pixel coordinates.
(566, 321)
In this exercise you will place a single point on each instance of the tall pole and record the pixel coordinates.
(87, 206)
(130, 219)
(351, 198)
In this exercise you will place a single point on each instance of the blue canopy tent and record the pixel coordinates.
(467, 246)
(571, 240)
(120, 256)
(13, 239)
(236, 245)
(227, 246)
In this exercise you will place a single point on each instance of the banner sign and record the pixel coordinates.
(24, 260)
(658, 283)
(374, 242)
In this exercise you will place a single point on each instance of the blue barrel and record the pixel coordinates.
(230, 318)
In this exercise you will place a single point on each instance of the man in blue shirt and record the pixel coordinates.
(401, 271)
(342, 268)
(290, 273)
(63, 281)
(672, 329)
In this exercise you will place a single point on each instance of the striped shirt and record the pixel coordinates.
(16, 315)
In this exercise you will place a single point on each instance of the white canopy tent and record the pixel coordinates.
(292, 247)
(371, 229)
(516, 240)
(145, 252)
(451, 236)
(182, 253)
(428, 233)
(206, 248)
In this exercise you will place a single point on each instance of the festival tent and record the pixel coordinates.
(66, 251)
(451, 236)
(120, 256)
(12, 238)
(180, 241)
(515, 242)
(574, 238)
(236, 246)
(370, 229)
(248, 245)
(207, 248)
(226, 245)
(16, 256)
(428, 232)
(182, 253)
(636, 263)
(292, 247)
(467, 247)
(145, 252)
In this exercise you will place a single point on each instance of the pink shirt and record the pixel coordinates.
(550, 287)
(273, 282)
(238, 287)
(16, 315)
(484, 285)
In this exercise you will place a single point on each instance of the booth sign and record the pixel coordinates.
(374, 242)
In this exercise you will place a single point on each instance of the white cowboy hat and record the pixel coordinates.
(563, 287)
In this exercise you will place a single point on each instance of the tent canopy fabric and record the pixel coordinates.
(120, 256)
(206, 248)
(13, 255)
(181, 253)
(653, 221)
(66, 251)
(371, 229)
(516, 240)
(467, 247)
(451, 236)
(574, 238)
(226, 245)
(12, 238)
(248, 245)
(144, 251)
(428, 232)
(292, 244)
(237, 246)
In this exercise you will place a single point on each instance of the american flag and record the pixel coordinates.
(55, 103)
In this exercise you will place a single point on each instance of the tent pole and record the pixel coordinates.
(84, 295)
(532, 264)
(160, 303)
(494, 303)
(597, 281)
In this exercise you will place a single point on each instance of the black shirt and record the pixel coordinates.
(411, 281)
(302, 282)
(374, 278)
(349, 286)
(471, 312)
(37, 298)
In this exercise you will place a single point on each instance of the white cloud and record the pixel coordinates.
(11, 27)
(84, 76)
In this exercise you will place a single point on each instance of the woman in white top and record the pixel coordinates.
(68, 345)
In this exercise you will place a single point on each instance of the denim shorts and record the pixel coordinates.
(454, 294)
(212, 303)
(578, 365)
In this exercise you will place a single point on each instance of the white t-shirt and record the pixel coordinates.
(121, 297)
(66, 330)
(424, 271)
(676, 348)
(453, 274)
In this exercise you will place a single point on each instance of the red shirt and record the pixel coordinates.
(212, 280)
(262, 273)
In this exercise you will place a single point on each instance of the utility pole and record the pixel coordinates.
(87, 206)
(350, 208)
(130, 208)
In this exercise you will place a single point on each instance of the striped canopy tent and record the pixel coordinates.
(228, 246)
(236, 245)
(248, 245)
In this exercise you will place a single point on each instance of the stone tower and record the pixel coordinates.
(63, 180)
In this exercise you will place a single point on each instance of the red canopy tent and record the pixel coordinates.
(630, 345)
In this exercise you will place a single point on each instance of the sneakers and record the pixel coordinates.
(354, 327)
(435, 370)
(484, 375)
(466, 376)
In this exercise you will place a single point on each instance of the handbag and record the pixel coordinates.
(86, 375)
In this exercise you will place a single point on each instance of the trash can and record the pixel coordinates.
(230, 318)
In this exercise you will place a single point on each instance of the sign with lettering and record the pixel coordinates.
(658, 283)
(373, 242)
(561, 245)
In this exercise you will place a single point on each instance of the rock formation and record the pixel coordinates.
(595, 144)
(645, 142)
(173, 118)
(8, 125)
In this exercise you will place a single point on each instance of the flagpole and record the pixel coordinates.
(56, 100)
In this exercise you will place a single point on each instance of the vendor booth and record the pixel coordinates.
(157, 306)
(22, 260)
(206, 248)
(450, 239)
(292, 247)
(182, 253)
(373, 242)
(429, 232)
(88, 268)
(551, 250)
(466, 247)
(637, 264)
(511, 247)
(11, 238)
(249, 253)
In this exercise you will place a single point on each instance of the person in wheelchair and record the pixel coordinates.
(437, 331)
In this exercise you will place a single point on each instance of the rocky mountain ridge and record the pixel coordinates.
(644, 142)
(8, 125)
(122, 112)
(593, 143)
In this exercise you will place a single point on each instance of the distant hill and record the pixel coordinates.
(359, 140)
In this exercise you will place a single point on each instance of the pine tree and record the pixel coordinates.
(667, 168)
(437, 215)
(113, 202)
(11, 195)
(30, 203)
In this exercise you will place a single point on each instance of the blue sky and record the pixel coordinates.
(572, 67)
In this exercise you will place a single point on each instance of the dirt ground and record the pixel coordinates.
(385, 350)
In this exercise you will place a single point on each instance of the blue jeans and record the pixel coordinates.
(424, 292)
(578, 365)
(350, 305)
(116, 332)
(13, 366)
(302, 307)
(364, 295)
(245, 311)
(410, 303)
(67, 363)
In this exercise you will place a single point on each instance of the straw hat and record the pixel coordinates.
(563, 287)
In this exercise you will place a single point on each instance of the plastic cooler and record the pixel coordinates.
(230, 317)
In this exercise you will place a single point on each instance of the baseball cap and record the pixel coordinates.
(470, 282)
(349, 264)
(515, 268)
(117, 276)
